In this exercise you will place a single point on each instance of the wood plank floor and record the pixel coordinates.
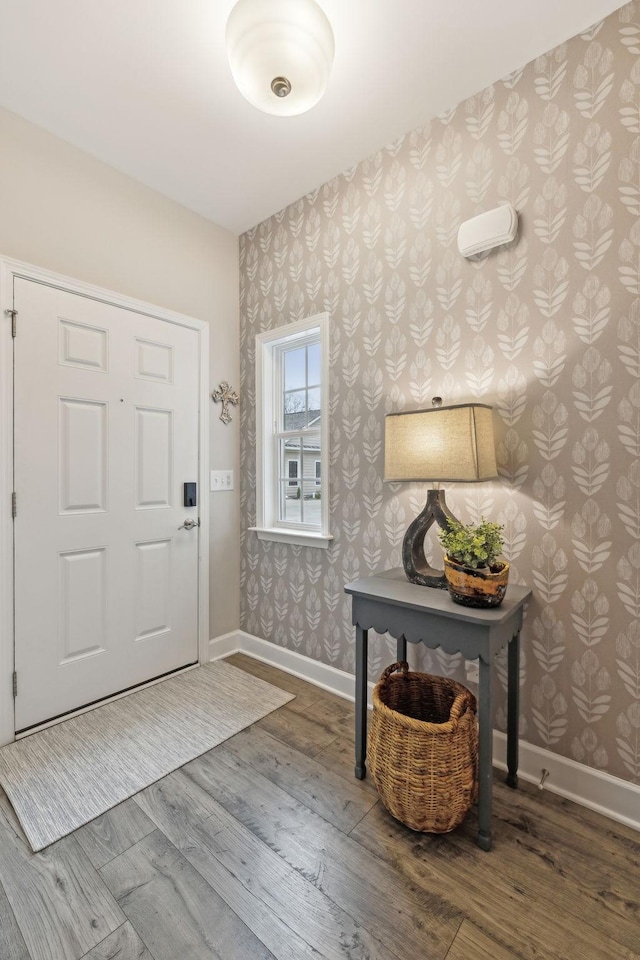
(267, 847)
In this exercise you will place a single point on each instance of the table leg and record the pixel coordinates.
(401, 649)
(362, 662)
(485, 759)
(513, 695)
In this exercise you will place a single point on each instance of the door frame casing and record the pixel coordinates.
(9, 270)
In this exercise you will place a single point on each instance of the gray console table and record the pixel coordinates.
(388, 602)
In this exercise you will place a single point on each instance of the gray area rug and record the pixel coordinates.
(65, 776)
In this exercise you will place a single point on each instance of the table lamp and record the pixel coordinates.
(444, 444)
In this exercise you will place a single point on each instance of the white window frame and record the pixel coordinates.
(269, 346)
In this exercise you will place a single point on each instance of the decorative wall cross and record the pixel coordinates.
(225, 394)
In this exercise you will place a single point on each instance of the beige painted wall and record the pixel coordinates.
(63, 210)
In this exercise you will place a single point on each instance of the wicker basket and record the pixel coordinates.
(423, 748)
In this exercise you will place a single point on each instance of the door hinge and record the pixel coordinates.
(14, 505)
(13, 314)
(15, 684)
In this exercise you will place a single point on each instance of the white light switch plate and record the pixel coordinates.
(221, 480)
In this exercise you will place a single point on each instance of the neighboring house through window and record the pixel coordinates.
(292, 456)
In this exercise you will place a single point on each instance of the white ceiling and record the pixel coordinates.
(145, 86)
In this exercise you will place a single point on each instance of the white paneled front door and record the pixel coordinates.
(106, 434)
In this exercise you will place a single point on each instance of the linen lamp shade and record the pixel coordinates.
(453, 443)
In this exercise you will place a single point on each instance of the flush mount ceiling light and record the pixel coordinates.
(280, 53)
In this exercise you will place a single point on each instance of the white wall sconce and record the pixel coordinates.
(280, 53)
(488, 230)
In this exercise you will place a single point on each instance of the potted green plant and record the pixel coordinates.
(475, 576)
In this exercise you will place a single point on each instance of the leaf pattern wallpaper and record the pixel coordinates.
(547, 330)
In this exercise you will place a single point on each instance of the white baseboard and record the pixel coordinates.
(320, 674)
(612, 797)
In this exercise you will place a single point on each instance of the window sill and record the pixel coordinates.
(299, 538)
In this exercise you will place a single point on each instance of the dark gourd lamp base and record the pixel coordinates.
(416, 566)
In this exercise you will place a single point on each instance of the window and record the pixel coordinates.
(293, 472)
(292, 433)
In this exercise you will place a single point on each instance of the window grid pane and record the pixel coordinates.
(290, 502)
(300, 403)
(300, 488)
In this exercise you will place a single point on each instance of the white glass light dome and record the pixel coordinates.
(280, 53)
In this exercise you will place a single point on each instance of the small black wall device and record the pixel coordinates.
(190, 495)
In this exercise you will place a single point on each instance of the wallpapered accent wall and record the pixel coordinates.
(547, 330)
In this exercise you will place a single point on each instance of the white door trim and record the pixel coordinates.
(9, 269)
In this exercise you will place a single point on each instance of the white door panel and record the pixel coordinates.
(106, 433)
